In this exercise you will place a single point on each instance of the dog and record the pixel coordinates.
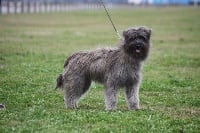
(113, 67)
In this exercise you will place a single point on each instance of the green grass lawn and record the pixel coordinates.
(33, 48)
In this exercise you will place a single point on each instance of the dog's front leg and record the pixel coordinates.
(132, 97)
(111, 98)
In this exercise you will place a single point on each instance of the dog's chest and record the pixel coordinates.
(126, 75)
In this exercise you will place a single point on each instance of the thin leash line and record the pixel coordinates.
(110, 19)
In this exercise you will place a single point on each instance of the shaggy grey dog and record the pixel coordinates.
(114, 68)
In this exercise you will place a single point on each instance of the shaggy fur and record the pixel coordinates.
(114, 68)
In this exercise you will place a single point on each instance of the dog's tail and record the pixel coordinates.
(59, 82)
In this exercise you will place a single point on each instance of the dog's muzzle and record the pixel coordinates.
(138, 47)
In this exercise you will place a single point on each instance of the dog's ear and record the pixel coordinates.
(125, 35)
(149, 33)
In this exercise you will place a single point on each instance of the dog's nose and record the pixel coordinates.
(138, 45)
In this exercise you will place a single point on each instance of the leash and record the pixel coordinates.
(111, 20)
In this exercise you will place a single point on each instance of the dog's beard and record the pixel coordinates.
(139, 53)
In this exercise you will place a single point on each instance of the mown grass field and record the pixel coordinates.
(33, 48)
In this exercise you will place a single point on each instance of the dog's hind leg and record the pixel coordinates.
(74, 90)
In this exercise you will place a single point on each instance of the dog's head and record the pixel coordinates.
(137, 42)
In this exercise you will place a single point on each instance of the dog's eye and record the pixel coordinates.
(142, 38)
(131, 39)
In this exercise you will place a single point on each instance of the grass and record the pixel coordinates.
(33, 48)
